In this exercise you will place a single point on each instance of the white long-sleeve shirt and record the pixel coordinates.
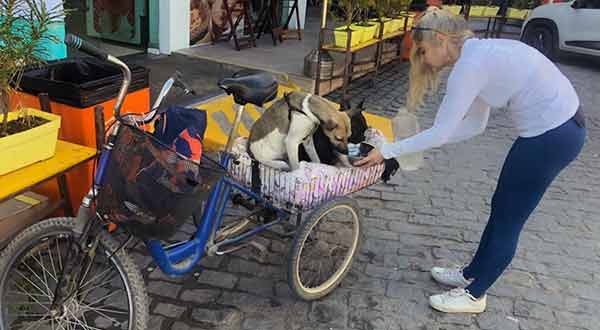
(494, 73)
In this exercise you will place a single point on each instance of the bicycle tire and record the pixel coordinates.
(295, 255)
(42, 233)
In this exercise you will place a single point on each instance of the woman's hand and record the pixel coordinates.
(373, 158)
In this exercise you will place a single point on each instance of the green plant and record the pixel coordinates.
(364, 6)
(23, 28)
(349, 9)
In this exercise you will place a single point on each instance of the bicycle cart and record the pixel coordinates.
(71, 273)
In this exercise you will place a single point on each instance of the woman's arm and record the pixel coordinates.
(464, 84)
(474, 122)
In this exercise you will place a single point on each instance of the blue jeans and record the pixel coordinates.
(530, 167)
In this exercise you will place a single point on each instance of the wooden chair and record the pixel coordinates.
(240, 10)
(294, 10)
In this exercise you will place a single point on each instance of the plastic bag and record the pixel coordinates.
(404, 125)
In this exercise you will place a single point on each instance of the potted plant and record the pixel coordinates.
(349, 9)
(27, 135)
(383, 10)
(401, 15)
(369, 29)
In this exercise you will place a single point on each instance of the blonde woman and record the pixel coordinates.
(544, 108)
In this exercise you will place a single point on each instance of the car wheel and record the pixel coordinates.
(542, 38)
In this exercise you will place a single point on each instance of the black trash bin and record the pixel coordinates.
(81, 82)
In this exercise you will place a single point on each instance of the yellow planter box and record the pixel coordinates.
(368, 32)
(388, 25)
(341, 36)
(377, 26)
(31, 146)
(477, 11)
(517, 13)
(398, 24)
(454, 9)
(491, 11)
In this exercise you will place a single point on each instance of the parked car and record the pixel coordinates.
(572, 26)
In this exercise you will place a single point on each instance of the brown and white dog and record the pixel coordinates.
(291, 121)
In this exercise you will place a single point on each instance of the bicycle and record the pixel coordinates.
(68, 273)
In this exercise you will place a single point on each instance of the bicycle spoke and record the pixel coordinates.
(95, 287)
(30, 282)
(53, 275)
(34, 299)
(38, 277)
(71, 323)
(27, 294)
(96, 276)
(100, 312)
(37, 324)
(102, 309)
(103, 298)
(52, 263)
(78, 322)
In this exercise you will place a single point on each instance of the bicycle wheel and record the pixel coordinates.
(111, 295)
(322, 252)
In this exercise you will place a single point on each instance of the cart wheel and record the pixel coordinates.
(323, 249)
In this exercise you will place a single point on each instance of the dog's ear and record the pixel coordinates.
(329, 124)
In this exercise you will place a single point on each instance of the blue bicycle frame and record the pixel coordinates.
(182, 257)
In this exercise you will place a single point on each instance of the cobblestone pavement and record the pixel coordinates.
(431, 216)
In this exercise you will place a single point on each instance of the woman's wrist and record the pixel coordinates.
(389, 150)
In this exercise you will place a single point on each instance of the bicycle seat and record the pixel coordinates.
(250, 87)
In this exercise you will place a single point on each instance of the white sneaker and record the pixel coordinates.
(458, 300)
(450, 276)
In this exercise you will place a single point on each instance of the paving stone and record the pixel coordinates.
(527, 309)
(328, 312)
(460, 319)
(180, 326)
(584, 321)
(490, 321)
(259, 286)
(200, 296)
(218, 279)
(212, 262)
(163, 289)
(158, 274)
(399, 290)
(155, 322)
(246, 302)
(396, 261)
(169, 310)
(237, 265)
(263, 322)
(218, 317)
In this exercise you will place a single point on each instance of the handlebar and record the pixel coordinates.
(85, 46)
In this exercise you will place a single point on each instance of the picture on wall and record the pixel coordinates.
(208, 20)
(115, 20)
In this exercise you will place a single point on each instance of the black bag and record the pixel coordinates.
(149, 188)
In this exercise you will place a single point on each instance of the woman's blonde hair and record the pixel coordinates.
(425, 78)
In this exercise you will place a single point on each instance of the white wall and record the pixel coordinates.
(173, 25)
